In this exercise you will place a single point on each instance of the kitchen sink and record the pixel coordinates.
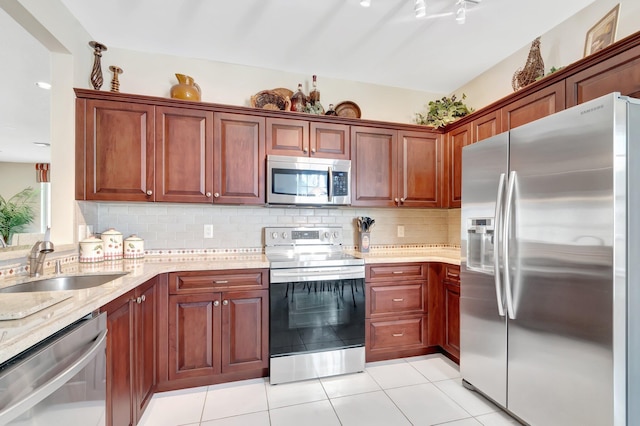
(68, 282)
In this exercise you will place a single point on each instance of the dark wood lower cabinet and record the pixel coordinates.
(451, 287)
(131, 354)
(217, 328)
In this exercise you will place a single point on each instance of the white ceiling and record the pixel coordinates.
(384, 44)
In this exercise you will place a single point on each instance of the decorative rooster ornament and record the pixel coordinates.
(533, 69)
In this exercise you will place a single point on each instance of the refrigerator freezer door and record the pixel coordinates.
(561, 244)
(483, 330)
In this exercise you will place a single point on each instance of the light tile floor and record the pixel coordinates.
(424, 390)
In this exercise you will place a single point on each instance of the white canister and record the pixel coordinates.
(112, 244)
(133, 247)
(91, 250)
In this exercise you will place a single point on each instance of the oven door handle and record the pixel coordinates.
(313, 274)
(25, 404)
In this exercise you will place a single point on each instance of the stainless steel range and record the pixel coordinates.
(317, 304)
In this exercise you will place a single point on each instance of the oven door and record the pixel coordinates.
(316, 328)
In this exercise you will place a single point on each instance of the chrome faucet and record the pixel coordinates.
(38, 252)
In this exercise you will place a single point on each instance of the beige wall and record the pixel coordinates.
(561, 46)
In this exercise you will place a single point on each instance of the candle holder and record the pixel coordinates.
(115, 83)
(96, 71)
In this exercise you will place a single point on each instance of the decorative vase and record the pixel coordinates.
(186, 89)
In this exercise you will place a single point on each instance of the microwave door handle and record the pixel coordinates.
(330, 183)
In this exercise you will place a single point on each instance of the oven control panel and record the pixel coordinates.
(287, 236)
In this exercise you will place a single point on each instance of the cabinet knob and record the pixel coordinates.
(396, 200)
(313, 151)
(216, 303)
(144, 298)
(216, 195)
(402, 200)
(225, 302)
(139, 300)
(208, 195)
(305, 150)
(149, 192)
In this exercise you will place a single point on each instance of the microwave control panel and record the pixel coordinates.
(340, 184)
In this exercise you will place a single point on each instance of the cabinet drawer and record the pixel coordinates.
(399, 271)
(206, 281)
(394, 299)
(397, 334)
(452, 272)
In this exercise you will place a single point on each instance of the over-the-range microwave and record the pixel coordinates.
(304, 181)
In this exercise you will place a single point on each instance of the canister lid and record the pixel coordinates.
(91, 239)
(111, 231)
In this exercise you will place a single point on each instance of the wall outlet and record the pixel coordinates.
(400, 231)
(208, 231)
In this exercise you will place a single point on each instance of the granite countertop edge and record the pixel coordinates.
(19, 335)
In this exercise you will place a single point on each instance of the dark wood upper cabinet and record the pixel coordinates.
(456, 140)
(184, 155)
(115, 148)
(419, 169)
(620, 73)
(329, 140)
(374, 180)
(541, 103)
(287, 137)
(239, 159)
(485, 126)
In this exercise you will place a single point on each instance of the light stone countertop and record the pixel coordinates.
(17, 335)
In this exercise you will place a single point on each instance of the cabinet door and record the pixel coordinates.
(330, 141)
(452, 318)
(486, 126)
(245, 338)
(119, 361)
(539, 104)
(194, 335)
(374, 157)
(184, 155)
(457, 139)
(145, 356)
(287, 137)
(419, 169)
(119, 151)
(239, 159)
(620, 73)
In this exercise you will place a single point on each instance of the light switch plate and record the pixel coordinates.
(208, 231)
(400, 231)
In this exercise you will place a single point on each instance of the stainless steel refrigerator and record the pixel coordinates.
(550, 285)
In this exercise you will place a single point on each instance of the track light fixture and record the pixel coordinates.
(461, 13)
(420, 8)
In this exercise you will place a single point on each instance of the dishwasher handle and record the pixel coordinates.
(25, 404)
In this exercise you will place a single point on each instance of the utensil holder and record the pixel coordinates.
(365, 242)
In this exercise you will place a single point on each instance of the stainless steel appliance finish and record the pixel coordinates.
(550, 328)
(317, 305)
(308, 181)
(59, 382)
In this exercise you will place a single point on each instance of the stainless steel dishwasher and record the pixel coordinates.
(59, 381)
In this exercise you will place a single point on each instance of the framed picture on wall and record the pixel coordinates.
(603, 33)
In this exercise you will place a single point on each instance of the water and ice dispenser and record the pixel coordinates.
(480, 244)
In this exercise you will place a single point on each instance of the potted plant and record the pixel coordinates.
(443, 111)
(16, 212)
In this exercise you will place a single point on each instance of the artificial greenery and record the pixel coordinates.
(16, 212)
(551, 71)
(444, 111)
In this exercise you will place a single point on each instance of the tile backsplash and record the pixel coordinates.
(164, 226)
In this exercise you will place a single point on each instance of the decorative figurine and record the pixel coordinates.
(96, 71)
(115, 83)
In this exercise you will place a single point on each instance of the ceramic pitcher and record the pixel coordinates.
(186, 88)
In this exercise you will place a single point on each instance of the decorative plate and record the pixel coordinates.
(268, 99)
(348, 109)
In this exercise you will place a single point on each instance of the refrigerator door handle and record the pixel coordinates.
(496, 255)
(505, 244)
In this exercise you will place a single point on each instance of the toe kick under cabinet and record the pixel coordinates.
(217, 328)
(397, 311)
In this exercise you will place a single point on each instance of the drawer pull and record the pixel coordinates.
(398, 334)
(398, 300)
(398, 272)
(221, 282)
